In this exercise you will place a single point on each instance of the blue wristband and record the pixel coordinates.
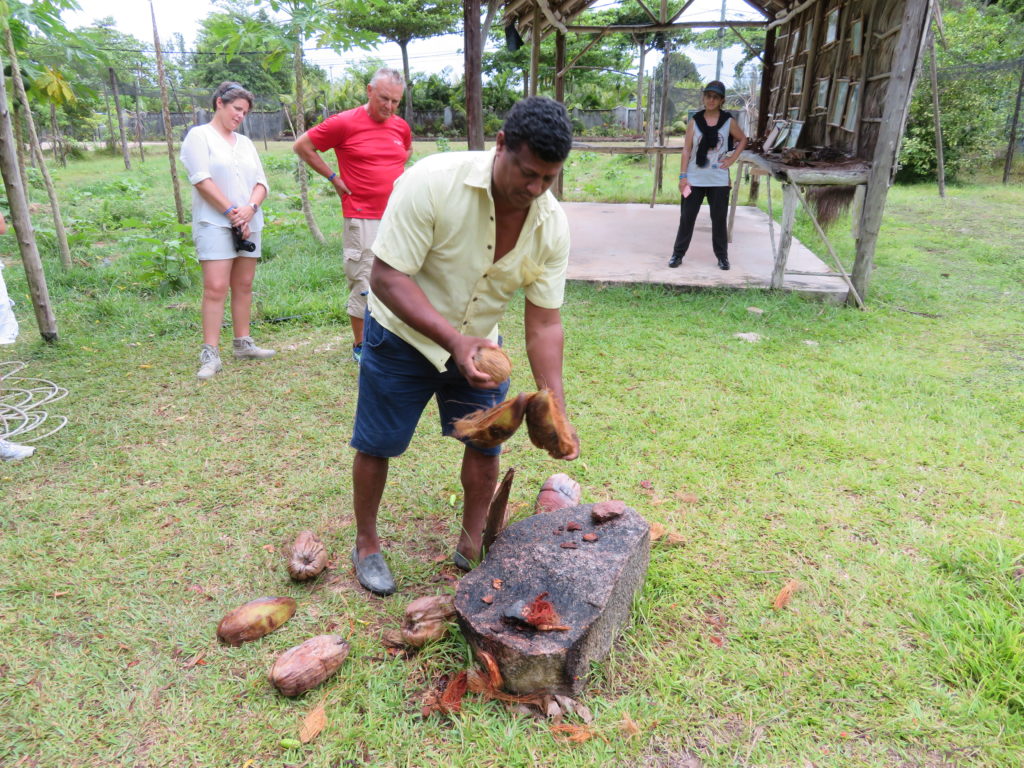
(331, 177)
(229, 210)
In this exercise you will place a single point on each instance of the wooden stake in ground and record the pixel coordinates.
(37, 152)
(18, 203)
(498, 513)
(168, 134)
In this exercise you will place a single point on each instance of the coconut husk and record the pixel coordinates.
(305, 666)
(494, 362)
(309, 557)
(499, 511)
(255, 619)
(558, 491)
(490, 427)
(548, 427)
(426, 619)
(829, 202)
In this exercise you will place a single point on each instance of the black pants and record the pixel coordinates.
(718, 202)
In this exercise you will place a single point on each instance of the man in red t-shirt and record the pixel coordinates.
(372, 145)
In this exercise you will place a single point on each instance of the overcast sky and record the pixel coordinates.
(433, 55)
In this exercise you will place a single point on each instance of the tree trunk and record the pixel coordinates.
(300, 128)
(166, 110)
(19, 141)
(110, 123)
(138, 119)
(120, 120)
(1013, 129)
(18, 202)
(404, 45)
(37, 151)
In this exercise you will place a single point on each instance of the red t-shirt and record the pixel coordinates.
(371, 156)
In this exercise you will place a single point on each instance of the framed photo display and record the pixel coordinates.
(839, 102)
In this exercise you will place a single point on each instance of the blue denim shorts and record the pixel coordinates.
(395, 384)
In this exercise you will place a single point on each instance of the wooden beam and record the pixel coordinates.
(894, 116)
(766, 81)
(790, 201)
(535, 49)
(805, 97)
(667, 27)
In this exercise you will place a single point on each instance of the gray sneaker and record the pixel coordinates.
(209, 362)
(245, 348)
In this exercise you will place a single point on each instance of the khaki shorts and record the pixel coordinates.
(359, 236)
(214, 243)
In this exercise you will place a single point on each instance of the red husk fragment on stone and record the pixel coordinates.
(541, 612)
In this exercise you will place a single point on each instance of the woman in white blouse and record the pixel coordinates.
(228, 187)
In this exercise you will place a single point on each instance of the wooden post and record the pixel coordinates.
(805, 97)
(767, 73)
(896, 105)
(166, 111)
(473, 67)
(120, 119)
(940, 168)
(1013, 127)
(735, 194)
(559, 94)
(640, 89)
(18, 202)
(790, 201)
(538, 17)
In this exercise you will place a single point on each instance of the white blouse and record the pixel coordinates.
(235, 169)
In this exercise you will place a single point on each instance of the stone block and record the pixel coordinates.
(590, 572)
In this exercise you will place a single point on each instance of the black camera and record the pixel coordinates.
(241, 244)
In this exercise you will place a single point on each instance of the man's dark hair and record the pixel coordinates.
(543, 125)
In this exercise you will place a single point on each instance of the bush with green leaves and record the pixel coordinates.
(973, 104)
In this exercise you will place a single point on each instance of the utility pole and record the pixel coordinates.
(721, 41)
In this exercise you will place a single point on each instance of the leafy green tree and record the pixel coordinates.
(401, 22)
(973, 100)
(210, 66)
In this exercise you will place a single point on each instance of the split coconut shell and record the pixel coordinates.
(426, 619)
(255, 619)
(494, 362)
(548, 427)
(305, 666)
(490, 427)
(309, 557)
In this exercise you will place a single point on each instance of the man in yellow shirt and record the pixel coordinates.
(462, 233)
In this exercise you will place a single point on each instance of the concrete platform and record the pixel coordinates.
(632, 243)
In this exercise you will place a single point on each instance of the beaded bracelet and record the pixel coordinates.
(331, 177)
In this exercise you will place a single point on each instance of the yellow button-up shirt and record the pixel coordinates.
(439, 229)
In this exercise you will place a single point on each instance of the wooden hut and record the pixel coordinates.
(837, 80)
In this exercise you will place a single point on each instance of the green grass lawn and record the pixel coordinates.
(877, 457)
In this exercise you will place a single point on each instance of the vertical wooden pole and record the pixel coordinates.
(805, 98)
(940, 167)
(166, 111)
(767, 73)
(559, 93)
(17, 199)
(896, 105)
(538, 18)
(120, 119)
(1013, 127)
(473, 66)
(790, 201)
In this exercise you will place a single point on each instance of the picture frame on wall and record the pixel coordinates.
(821, 95)
(808, 35)
(857, 37)
(832, 26)
(798, 81)
(794, 42)
(852, 107)
(794, 134)
(839, 102)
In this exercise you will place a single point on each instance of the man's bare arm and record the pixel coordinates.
(406, 299)
(303, 147)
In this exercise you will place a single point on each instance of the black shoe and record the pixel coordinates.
(675, 261)
(723, 263)
(373, 573)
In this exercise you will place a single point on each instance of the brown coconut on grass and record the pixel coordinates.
(255, 619)
(494, 362)
(548, 427)
(305, 666)
(309, 557)
(490, 427)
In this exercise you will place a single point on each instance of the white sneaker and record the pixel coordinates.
(209, 362)
(245, 348)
